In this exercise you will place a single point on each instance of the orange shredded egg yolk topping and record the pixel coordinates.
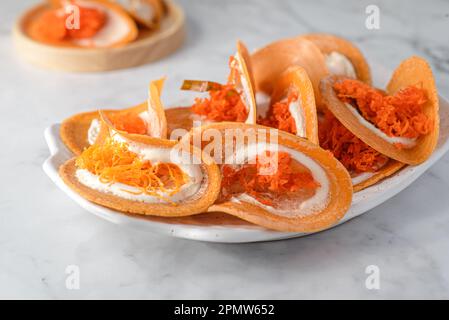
(129, 122)
(279, 116)
(224, 103)
(352, 152)
(398, 115)
(52, 24)
(272, 175)
(112, 162)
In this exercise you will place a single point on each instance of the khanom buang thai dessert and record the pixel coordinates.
(139, 174)
(292, 106)
(149, 118)
(275, 179)
(233, 101)
(94, 23)
(83, 23)
(318, 54)
(374, 132)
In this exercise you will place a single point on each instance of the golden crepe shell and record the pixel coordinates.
(244, 63)
(108, 7)
(412, 71)
(340, 188)
(328, 43)
(212, 219)
(416, 71)
(179, 118)
(390, 168)
(158, 123)
(196, 204)
(271, 61)
(74, 130)
(297, 77)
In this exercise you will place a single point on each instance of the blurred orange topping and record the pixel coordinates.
(55, 25)
(91, 21)
(50, 26)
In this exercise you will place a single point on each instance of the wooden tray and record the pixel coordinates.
(149, 46)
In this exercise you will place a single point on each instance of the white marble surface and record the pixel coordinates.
(42, 231)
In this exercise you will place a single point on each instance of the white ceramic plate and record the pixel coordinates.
(362, 201)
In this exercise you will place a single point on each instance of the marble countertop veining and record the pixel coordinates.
(42, 231)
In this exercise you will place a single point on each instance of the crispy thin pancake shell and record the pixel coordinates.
(272, 60)
(242, 50)
(413, 71)
(340, 188)
(390, 168)
(73, 130)
(416, 71)
(156, 110)
(211, 219)
(328, 43)
(108, 7)
(297, 77)
(179, 118)
(247, 71)
(200, 202)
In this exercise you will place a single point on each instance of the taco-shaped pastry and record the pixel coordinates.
(83, 23)
(81, 130)
(233, 101)
(269, 62)
(292, 107)
(274, 179)
(341, 56)
(401, 122)
(143, 175)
